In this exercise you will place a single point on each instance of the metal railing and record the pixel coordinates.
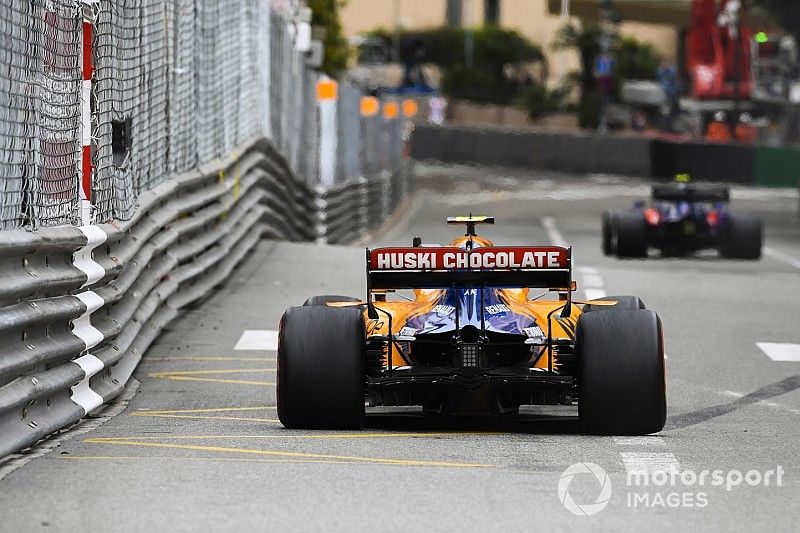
(148, 147)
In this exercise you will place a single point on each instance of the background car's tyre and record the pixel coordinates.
(609, 231)
(321, 355)
(325, 298)
(621, 381)
(623, 303)
(631, 235)
(743, 237)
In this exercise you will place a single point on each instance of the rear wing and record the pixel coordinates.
(690, 193)
(496, 267)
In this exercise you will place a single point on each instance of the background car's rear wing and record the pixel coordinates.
(437, 268)
(675, 192)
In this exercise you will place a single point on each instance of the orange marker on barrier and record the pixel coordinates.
(326, 90)
(410, 108)
(369, 106)
(391, 110)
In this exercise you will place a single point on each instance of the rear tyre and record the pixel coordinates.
(743, 237)
(631, 235)
(622, 303)
(325, 298)
(609, 233)
(621, 381)
(321, 355)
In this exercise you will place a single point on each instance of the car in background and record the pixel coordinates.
(680, 220)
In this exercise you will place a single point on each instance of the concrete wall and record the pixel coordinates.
(558, 151)
(582, 152)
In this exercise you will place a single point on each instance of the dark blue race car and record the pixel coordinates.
(680, 220)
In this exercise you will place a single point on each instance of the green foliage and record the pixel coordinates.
(325, 14)
(538, 100)
(494, 52)
(634, 60)
(474, 84)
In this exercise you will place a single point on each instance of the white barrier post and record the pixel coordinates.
(326, 100)
(87, 67)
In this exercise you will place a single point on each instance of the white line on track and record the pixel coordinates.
(639, 441)
(650, 462)
(780, 351)
(553, 234)
(592, 280)
(258, 339)
(780, 256)
(594, 294)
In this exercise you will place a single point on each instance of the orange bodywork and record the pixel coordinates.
(516, 299)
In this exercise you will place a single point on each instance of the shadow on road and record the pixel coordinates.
(523, 424)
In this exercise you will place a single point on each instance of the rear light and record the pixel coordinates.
(652, 216)
(712, 218)
(470, 355)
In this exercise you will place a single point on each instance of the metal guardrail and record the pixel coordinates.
(80, 305)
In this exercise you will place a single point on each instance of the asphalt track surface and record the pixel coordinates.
(199, 446)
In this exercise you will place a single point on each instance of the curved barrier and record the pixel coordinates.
(80, 305)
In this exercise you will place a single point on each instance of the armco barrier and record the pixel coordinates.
(556, 151)
(80, 305)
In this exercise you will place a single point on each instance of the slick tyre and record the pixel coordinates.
(325, 298)
(321, 355)
(609, 232)
(621, 381)
(743, 239)
(631, 235)
(622, 303)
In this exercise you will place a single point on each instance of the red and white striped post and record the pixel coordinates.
(87, 66)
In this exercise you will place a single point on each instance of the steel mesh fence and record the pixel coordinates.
(182, 113)
(176, 84)
(40, 93)
(130, 94)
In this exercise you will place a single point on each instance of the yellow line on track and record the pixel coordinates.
(278, 453)
(162, 457)
(191, 375)
(214, 358)
(203, 417)
(363, 435)
(206, 372)
(144, 412)
(214, 380)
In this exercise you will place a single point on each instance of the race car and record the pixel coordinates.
(471, 329)
(682, 219)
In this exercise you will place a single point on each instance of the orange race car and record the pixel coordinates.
(474, 336)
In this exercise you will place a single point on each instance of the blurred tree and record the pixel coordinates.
(633, 60)
(500, 61)
(538, 100)
(325, 14)
(636, 60)
(585, 40)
